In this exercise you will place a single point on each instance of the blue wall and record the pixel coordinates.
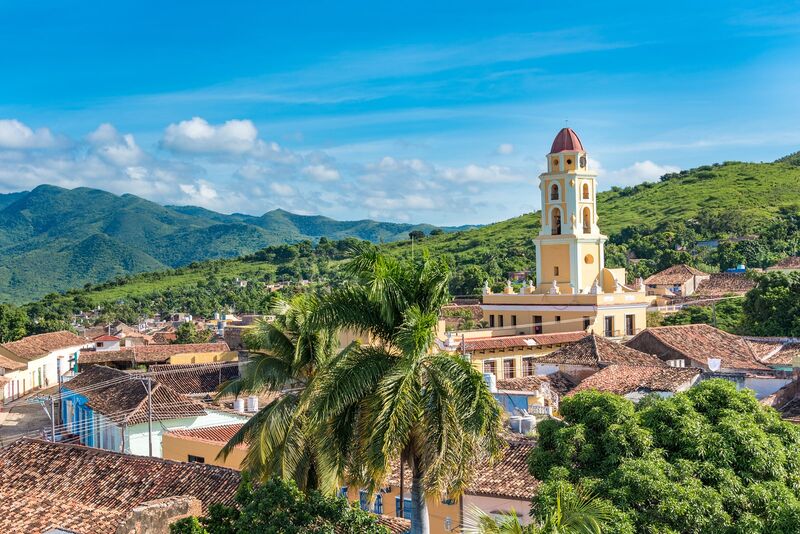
(82, 420)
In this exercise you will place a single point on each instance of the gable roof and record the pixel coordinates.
(521, 383)
(122, 397)
(150, 353)
(106, 337)
(784, 356)
(33, 347)
(698, 343)
(219, 435)
(194, 378)
(11, 365)
(624, 379)
(722, 284)
(594, 350)
(529, 340)
(90, 491)
(675, 275)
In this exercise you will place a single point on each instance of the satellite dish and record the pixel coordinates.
(714, 364)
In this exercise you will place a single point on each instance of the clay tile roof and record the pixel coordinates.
(530, 340)
(11, 365)
(211, 434)
(566, 139)
(396, 525)
(522, 383)
(722, 284)
(698, 343)
(32, 347)
(106, 337)
(90, 491)
(792, 262)
(561, 383)
(194, 378)
(785, 355)
(598, 351)
(150, 353)
(675, 275)
(123, 398)
(624, 379)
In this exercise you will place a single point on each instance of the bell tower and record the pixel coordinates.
(569, 247)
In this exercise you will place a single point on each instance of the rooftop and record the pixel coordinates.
(698, 343)
(522, 383)
(566, 140)
(594, 350)
(194, 378)
(122, 397)
(149, 353)
(675, 275)
(624, 379)
(722, 284)
(219, 435)
(792, 262)
(529, 340)
(32, 347)
(90, 491)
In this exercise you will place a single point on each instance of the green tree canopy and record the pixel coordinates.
(772, 308)
(710, 460)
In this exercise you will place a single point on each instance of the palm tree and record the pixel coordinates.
(575, 512)
(398, 397)
(285, 357)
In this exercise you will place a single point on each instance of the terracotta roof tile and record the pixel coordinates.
(784, 356)
(596, 350)
(522, 383)
(624, 379)
(125, 399)
(106, 337)
(32, 347)
(530, 340)
(722, 284)
(150, 353)
(89, 491)
(675, 275)
(698, 343)
(212, 434)
(194, 378)
(11, 365)
(396, 525)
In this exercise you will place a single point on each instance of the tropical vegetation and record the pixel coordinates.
(709, 460)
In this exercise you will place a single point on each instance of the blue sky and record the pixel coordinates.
(409, 111)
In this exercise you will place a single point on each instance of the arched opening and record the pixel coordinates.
(586, 191)
(555, 225)
(587, 220)
(555, 164)
(554, 192)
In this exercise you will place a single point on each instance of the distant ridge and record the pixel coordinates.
(53, 239)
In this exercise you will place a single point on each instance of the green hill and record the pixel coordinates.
(650, 216)
(53, 239)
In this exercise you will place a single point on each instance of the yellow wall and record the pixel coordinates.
(437, 510)
(204, 357)
(589, 271)
(179, 448)
(552, 256)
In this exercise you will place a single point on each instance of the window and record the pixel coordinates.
(558, 318)
(609, 326)
(586, 191)
(509, 368)
(587, 220)
(586, 323)
(589, 259)
(554, 192)
(513, 320)
(343, 492)
(500, 320)
(362, 500)
(197, 459)
(537, 324)
(377, 508)
(527, 367)
(406, 508)
(555, 270)
(490, 366)
(555, 226)
(630, 325)
(491, 321)
(555, 164)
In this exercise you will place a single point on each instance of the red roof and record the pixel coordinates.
(566, 139)
(529, 340)
(106, 337)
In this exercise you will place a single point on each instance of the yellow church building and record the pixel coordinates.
(574, 291)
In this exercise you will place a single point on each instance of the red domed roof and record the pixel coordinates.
(566, 139)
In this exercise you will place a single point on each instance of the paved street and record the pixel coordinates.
(21, 418)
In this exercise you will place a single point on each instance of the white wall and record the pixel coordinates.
(765, 386)
(49, 365)
(136, 435)
(497, 504)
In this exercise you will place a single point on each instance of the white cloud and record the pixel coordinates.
(321, 173)
(200, 192)
(16, 135)
(505, 149)
(492, 174)
(637, 173)
(198, 136)
(283, 190)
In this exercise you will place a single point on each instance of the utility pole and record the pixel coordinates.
(714, 313)
(402, 497)
(149, 416)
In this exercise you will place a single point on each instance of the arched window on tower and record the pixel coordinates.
(555, 225)
(554, 192)
(586, 191)
(587, 221)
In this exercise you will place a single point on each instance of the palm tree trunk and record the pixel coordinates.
(420, 522)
